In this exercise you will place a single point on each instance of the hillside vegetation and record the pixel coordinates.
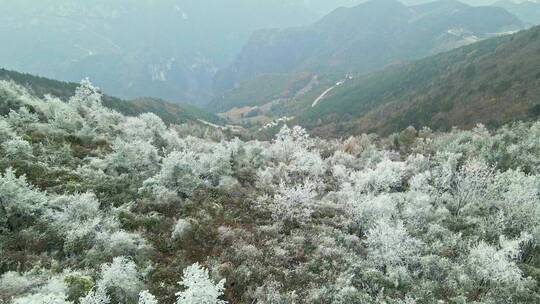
(170, 113)
(100, 208)
(493, 81)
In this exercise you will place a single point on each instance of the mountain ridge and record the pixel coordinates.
(167, 48)
(494, 81)
(528, 11)
(170, 113)
(358, 39)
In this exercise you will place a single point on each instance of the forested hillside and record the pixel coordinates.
(169, 112)
(363, 39)
(100, 208)
(493, 81)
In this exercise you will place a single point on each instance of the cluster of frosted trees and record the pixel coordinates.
(97, 207)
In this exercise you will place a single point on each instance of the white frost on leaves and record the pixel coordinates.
(198, 288)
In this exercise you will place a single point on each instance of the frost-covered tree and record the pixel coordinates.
(77, 218)
(145, 297)
(43, 299)
(177, 178)
(146, 127)
(134, 157)
(98, 296)
(389, 244)
(291, 204)
(120, 280)
(183, 171)
(38, 286)
(6, 132)
(385, 177)
(199, 289)
(20, 204)
(288, 142)
(491, 265)
(17, 149)
(181, 228)
(86, 96)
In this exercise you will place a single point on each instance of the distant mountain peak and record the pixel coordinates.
(382, 4)
(443, 5)
(364, 38)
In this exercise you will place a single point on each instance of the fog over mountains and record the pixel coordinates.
(172, 49)
(366, 38)
(165, 48)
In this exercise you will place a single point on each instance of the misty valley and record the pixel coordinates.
(269, 151)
